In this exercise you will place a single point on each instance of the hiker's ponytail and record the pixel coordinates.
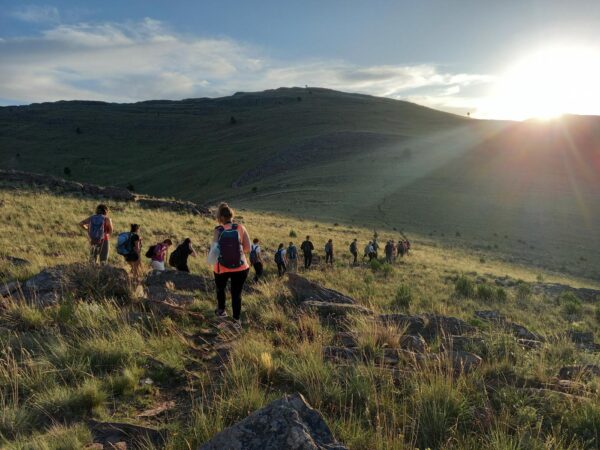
(225, 213)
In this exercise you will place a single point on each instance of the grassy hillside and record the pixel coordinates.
(525, 190)
(88, 357)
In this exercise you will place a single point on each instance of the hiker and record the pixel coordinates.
(375, 246)
(280, 260)
(233, 243)
(179, 257)
(98, 227)
(157, 254)
(307, 248)
(389, 252)
(129, 245)
(401, 248)
(394, 251)
(256, 260)
(292, 257)
(329, 252)
(354, 251)
(370, 251)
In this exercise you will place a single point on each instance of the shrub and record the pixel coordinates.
(403, 297)
(375, 265)
(464, 287)
(386, 270)
(67, 171)
(523, 291)
(130, 187)
(501, 294)
(485, 292)
(293, 234)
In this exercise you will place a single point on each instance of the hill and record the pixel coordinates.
(526, 190)
(443, 349)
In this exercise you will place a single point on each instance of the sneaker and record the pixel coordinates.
(220, 313)
(237, 324)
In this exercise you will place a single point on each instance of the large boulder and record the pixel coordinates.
(518, 330)
(288, 423)
(304, 289)
(17, 262)
(410, 324)
(181, 281)
(85, 281)
(428, 326)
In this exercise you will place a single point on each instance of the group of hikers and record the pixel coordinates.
(230, 245)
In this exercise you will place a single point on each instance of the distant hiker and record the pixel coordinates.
(98, 227)
(307, 248)
(354, 251)
(369, 251)
(179, 257)
(157, 254)
(375, 246)
(256, 260)
(406, 246)
(389, 252)
(394, 251)
(233, 243)
(292, 257)
(401, 248)
(280, 260)
(329, 252)
(129, 245)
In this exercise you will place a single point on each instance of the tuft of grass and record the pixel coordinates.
(403, 298)
(464, 287)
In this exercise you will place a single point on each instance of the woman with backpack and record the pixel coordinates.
(329, 252)
(233, 243)
(256, 260)
(157, 254)
(99, 228)
(280, 260)
(179, 257)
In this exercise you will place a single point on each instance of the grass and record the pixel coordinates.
(90, 355)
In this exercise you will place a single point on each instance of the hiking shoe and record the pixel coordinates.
(237, 324)
(220, 313)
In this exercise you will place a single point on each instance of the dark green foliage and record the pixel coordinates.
(130, 187)
(67, 171)
(464, 287)
(232, 120)
(293, 234)
(403, 297)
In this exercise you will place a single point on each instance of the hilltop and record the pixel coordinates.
(526, 190)
(443, 349)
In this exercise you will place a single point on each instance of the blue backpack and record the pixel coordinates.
(96, 229)
(292, 252)
(230, 253)
(124, 246)
(279, 256)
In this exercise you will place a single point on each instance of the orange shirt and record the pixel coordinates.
(245, 248)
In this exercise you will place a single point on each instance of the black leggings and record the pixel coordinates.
(281, 269)
(307, 260)
(258, 269)
(237, 284)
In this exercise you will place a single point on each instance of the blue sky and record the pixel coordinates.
(445, 54)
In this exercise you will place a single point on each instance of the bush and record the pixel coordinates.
(403, 297)
(293, 234)
(501, 295)
(67, 171)
(485, 292)
(464, 287)
(523, 291)
(375, 265)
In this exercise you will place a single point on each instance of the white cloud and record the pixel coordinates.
(146, 60)
(37, 14)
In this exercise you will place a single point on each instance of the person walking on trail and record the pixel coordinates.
(179, 257)
(329, 252)
(256, 260)
(99, 228)
(280, 260)
(292, 257)
(307, 248)
(389, 252)
(129, 245)
(394, 251)
(354, 251)
(233, 242)
(375, 246)
(370, 251)
(158, 253)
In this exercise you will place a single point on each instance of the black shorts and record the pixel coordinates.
(132, 257)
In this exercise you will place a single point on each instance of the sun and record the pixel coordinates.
(554, 80)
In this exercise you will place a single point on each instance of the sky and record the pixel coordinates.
(511, 59)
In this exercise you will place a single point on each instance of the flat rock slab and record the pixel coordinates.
(334, 310)
(429, 326)
(182, 281)
(17, 262)
(519, 331)
(288, 423)
(303, 290)
(111, 433)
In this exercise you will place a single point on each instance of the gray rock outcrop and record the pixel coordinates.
(288, 423)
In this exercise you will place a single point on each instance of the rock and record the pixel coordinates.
(410, 324)
(516, 329)
(162, 294)
(17, 262)
(335, 354)
(172, 205)
(581, 337)
(114, 433)
(438, 325)
(529, 343)
(389, 357)
(582, 371)
(413, 343)
(304, 289)
(556, 290)
(288, 423)
(176, 279)
(334, 310)
(79, 280)
(345, 339)
(491, 316)
(10, 288)
(462, 343)
(463, 361)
